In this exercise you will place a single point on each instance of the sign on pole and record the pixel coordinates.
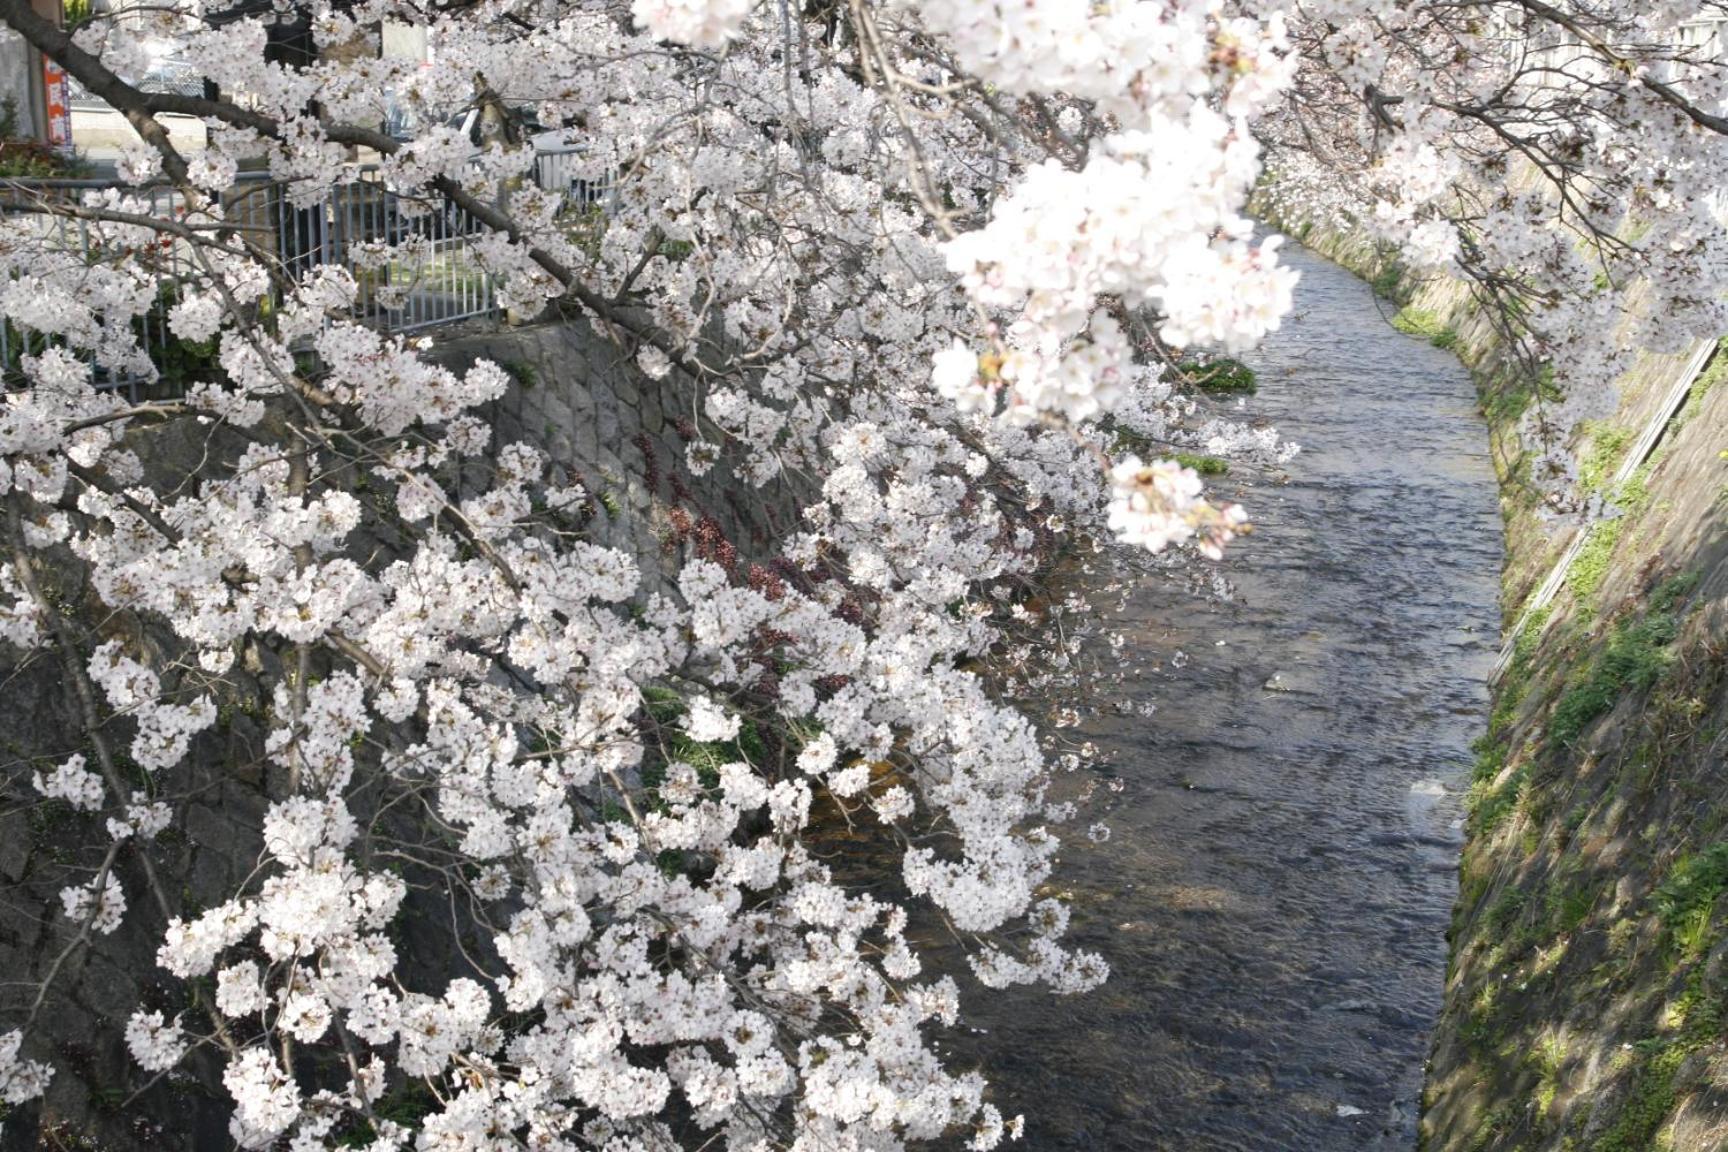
(58, 99)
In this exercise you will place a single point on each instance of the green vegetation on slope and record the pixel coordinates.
(1416, 322)
(1633, 658)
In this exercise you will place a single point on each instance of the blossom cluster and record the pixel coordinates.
(1159, 504)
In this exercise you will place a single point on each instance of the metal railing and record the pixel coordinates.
(413, 260)
(559, 170)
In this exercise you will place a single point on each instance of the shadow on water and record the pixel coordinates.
(1274, 898)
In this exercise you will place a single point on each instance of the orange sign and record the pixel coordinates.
(59, 133)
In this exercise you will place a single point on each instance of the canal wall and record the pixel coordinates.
(1587, 990)
(626, 437)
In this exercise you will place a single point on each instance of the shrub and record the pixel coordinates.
(1220, 377)
(1205, 465)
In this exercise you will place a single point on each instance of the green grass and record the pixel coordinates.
(1687, 897)
(1634, 658)
(1427, 325)
(662, 704)
(1694, 1022)
(1714, 373)
(1489, 803)
(1499, 1122)
(1515, 685)
(1608, 444)
(1509, 395)
(522, 372)
(1506, 402)
(1652, 1099)
(1506, 911)
(1590, 567)
(666, 708)
(1635, 493)
(1568, 906)
(1667, 596)
(1389, 280)
(407, 1105)
(179, 362)
(1125, 441)
(1547, 1061)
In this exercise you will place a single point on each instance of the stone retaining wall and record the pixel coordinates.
(623, 435)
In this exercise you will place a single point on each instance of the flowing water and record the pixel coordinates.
(1274, 897)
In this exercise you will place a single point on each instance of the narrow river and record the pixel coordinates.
(1274, 898)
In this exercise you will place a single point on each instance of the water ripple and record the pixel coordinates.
(1275, 896)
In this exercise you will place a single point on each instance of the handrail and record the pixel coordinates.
(28, 183)
(436, 281)
(245, 176)
(1641, 449)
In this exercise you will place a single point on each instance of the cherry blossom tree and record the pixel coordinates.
(937, 261)
(1564, 160)
(917, 254)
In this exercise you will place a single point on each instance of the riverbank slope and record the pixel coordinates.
(1584, 1006)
